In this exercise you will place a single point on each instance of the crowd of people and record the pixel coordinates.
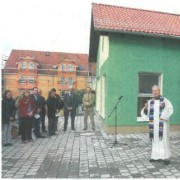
(29, 110)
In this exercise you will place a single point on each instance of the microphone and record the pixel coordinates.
(120, 97)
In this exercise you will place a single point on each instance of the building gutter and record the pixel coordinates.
(138, 33)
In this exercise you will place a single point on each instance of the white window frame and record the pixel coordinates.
(63, 67)
(31, 65)
(70, 81)
(23, 79)
(148, 95)
(31, 80)
(23, 65)
(62, 80)
(70, 67)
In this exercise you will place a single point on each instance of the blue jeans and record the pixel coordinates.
(6, 133)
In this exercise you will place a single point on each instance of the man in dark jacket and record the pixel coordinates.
(37, 118)
(70, 104)
(43, 111)
(8, 116)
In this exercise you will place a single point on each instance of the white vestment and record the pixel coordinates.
(160, 148)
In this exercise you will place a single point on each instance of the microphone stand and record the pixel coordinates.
(115, 109)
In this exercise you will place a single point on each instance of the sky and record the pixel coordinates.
(58, 25)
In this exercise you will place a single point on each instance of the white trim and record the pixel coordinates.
(150, 95)
(145, 95)
(104, 50)
(140, 119)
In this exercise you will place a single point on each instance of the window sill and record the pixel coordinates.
(140, 119)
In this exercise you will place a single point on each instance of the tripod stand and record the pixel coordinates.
(115, 109)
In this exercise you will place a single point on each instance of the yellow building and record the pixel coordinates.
(26, 69)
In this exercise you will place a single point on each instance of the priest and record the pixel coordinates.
(158, 111)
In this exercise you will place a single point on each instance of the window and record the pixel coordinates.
(70, 67)
(146, 81)
(31, 65)
(31, 79)
(63, 67)
(22, 79)
(23, 65)
(70, 81)
(62, 80)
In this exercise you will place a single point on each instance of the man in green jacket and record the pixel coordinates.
(88, 102)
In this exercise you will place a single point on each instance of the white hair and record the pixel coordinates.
(156, 86)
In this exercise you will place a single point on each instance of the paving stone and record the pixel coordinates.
(125, 174)
(30, 177)
(159, 176)
(177, 174)
(105, 176)
(156, 173)
(138, 175)
(18, 176)
(134, 172)
(88, 154)
(40, 175)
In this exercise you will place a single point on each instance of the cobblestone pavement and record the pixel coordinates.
(88, 154)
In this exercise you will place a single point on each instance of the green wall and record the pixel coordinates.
(131, 54)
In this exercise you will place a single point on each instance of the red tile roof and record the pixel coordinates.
(48, 59)
(115, 18)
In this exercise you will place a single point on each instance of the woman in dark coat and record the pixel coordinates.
(8, 116)
(27, 110)
(52, 107)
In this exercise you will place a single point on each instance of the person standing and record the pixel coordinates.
(70, 104)
(37, 118)
(60, 106)
(158, 111)
(8, 117)
(88, 102)
(51, 109)
(42, 112)
(17, 117)
(27, 110)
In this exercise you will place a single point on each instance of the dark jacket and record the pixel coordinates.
(60, 102)
(39, 102)
(8, 110)
(52, 104)
(43, 105)
(70, 101)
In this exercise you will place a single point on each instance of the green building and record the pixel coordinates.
(134, 50)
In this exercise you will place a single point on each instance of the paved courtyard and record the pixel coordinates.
(88, 154)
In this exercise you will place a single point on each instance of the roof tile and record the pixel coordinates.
(47, 59)
(115, 18)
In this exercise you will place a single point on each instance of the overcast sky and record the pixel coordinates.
(58, 25)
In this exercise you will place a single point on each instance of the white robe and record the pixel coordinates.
(160, 148)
